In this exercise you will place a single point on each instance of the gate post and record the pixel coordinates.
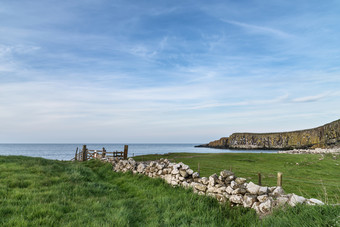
(126, 147)
(84, 152)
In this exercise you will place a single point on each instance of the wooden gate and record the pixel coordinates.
(85, 154)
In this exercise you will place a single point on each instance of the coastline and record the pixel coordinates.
(335, 150)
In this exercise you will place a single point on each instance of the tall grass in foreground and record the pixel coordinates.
(35, 191)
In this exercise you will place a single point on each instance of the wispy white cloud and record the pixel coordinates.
(260, 29)
(312, 98)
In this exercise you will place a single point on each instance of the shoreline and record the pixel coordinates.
(335, 150)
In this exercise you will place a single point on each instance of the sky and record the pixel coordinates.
(111, 71)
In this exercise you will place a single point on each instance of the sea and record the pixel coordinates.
(67, 151)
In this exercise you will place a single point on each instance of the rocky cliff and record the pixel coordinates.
(320, 137)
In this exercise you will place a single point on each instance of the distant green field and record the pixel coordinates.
(307, 175)
(40, 192)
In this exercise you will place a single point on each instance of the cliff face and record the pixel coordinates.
(322, 137)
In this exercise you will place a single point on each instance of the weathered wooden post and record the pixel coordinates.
(75, 156)
(84, 152)
(279, 179)
(126, 147)
(198, 168)
(259, 176)
(104, 153)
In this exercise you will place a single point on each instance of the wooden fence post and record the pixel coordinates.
(104, 153)
(198, 168)
(75, 156)
(84, 152)
(279, 179)
(259, 176)
(126, 147)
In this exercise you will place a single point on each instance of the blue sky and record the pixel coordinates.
(165, 71)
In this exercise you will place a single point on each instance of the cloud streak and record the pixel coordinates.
(260, 29)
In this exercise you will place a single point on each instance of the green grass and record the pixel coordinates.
(40, 192)
(304, 175)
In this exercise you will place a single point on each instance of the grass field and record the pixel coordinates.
(312, 176)
(40, 192)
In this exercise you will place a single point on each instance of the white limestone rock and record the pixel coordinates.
(233, 185)
(229, 190)
(204, 180)
(263, 190)
(239, 191)
(262, 198)
(175, 171)
(266, 206)
(282, 200)
(226, 173)
(168, 178)
(221, 190)
(238, 199)
(314, 202)
(185, 167)
(255, 206)
(201, 187)
(295, 199)
(278, 191)
(253, 188)
(220, 198)
(190, 171)
(240, 180)
(183, 173)
(174, 182)
(212, 179)
(248, 200)
(195, 175)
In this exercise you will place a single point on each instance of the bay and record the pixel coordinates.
(67, 151)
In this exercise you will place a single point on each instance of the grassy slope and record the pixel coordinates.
(35, 191)
(302, 174)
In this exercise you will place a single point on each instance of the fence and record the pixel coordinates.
(85, 154)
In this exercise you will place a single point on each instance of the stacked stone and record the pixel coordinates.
(223, 187)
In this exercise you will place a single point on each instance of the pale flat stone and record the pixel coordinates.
(236, 199)
(212, 179)
(204, 180)
(295, 199)
(314, 202)
(263, 190)
(265, 207)
(253, 188)
(262, 198)
(281, 201)
(226, 173)
(201, 187)
(229, 190)
(278, 191)
(248, 200)
(240, 180)
(190, 171)
(195, 175)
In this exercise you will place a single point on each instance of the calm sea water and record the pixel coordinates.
(67, 151)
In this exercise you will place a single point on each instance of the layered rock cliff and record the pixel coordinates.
(320, 137)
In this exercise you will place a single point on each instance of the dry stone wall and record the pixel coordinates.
(223, 187)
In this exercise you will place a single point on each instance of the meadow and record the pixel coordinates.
(40, 192)
(309, 175)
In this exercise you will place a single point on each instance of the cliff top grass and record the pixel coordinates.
(287, 132)
(308, 175)
(40, 192)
